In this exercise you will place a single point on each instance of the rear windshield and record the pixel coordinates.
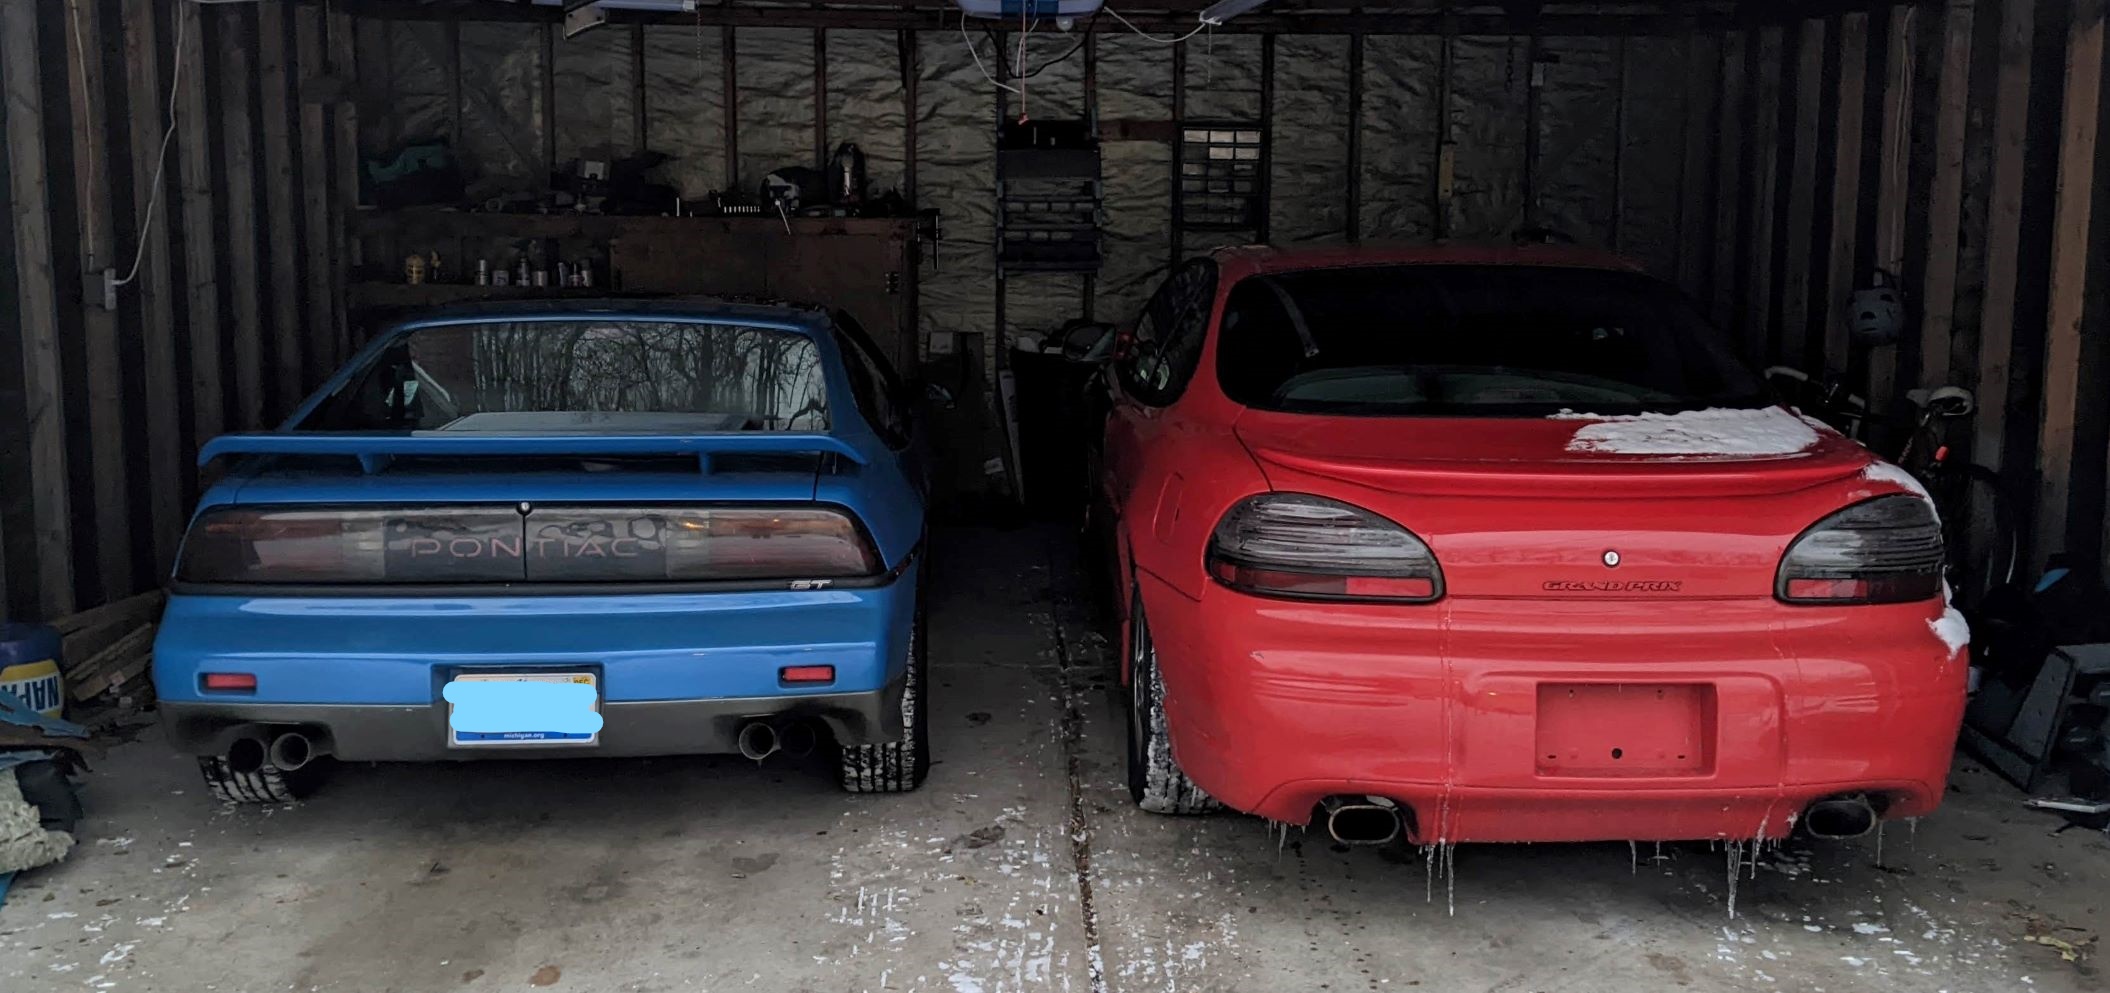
(621, 377)
(1467, 340)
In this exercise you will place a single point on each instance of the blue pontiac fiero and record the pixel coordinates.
(709, 515)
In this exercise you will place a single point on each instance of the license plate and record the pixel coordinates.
(1624, 729)
(500, 709)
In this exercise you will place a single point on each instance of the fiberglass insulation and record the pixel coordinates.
(864, 103)
(956, 173)
(1135, 83)
(685, 105)
(502, 112)
(775, 88)
(1399, 136)
(595, 95)
(1308, 156)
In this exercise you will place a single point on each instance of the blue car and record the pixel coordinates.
(562, 529)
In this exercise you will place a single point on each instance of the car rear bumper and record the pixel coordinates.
(369, 733)
(1507, 720)
(675, 673)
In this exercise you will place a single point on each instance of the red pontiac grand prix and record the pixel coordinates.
(1505, 545)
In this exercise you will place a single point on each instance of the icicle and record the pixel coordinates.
(1450, 879)
(1633, 858)
(1428, 873)
(1735, 850)
(1879, 844)
(1758, 848)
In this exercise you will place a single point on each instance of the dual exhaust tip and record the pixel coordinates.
(287, 751)
(759, 740)
(1376, 820)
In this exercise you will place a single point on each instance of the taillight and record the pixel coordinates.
(1300, 546)
(1885, 550)
(441, 545)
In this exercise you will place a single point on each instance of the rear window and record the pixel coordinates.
(1477, 341)
(603, 377)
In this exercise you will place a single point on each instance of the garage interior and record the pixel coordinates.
(213, 204)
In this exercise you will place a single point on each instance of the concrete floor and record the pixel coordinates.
(1021, 866)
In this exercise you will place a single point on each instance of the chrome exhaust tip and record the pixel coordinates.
(1370, 820)
(1837, 818)
(247, 754)
(757, 741)
(798, 739)
(291, 751)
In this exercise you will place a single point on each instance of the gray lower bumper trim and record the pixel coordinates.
(369, 733)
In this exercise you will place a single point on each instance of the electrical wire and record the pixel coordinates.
(977, 53)
(146, 223)
(1204, 26)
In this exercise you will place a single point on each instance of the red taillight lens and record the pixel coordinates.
(443, 545)
(1885, 550)
(238, 682)
(1300, 546)
(807, 674)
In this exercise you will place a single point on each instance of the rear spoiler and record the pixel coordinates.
(374, 450)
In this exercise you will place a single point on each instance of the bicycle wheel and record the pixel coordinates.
(1978, 529)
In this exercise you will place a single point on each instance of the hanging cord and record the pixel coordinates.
(977, 53)
(146, 224)
(80, 55)
(1203, 26)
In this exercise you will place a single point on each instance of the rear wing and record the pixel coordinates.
(374, 450)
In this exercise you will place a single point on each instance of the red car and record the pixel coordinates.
(1505, 545)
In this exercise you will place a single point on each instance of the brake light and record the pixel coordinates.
(513, 544)
(807, 674)
(1885, 550)
(1299, 546)
(238, 682)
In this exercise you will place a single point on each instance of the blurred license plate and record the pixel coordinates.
(498, 709)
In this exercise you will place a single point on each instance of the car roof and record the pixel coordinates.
(688, 308)
(1251, 259)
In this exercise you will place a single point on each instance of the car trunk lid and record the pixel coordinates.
(1697, 504)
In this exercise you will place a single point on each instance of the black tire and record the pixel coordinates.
(1155, 781)
(897, 766)
(265, 784)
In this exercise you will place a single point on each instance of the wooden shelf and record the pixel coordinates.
(437, 222)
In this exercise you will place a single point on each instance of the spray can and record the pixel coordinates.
(483, 272)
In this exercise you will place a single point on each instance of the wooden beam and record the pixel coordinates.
(281, 210)
(1725, 279)
(37, 308)
(1791, 334)
(1355, 139)
(905, 46)
(547, 67)
(1619, 126)
(1937, 293)
(156, 334)
(2069, 278)
(324, 340)
(639, 91)
(2010, 136)
(820, 98)
(344, 154)
(1835, 295)
(1179, 122)
(451, 62)
(102, 368)
(730, 73)
(236, 39)
(1695, 178)
(196, 152)
(1894, 185)
(1761, 193)
(1262, 223)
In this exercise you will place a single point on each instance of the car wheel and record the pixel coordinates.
(897, 766)
(264, 784)
(1155, 781)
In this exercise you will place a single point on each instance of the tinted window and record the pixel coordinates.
(648, 377)
(1168, 337)
(1473, 341)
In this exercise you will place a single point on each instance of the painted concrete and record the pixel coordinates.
(717, 875)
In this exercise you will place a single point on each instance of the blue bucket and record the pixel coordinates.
(29, 666)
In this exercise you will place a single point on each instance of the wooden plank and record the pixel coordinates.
(1355, 140)
(1893, 184)
(547, 66)
(102, 368)
(236, 39)
(731, 82)
(36, 307)
(1729, 174)
(1763, 173)
(1937, 292)
(1262, 223)
(324, 340)
(195, 152)
(1790, 336)
(153, 285)
(2010, 136)
(905, 46)
(1179, 203)
(1836, 293)
(129, 612)
(639, 92)
(820, 99)
(2069, 278)
(452, 61)
(281, 209)
(344, 152)
(1695, 178)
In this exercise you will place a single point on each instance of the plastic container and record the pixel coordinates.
(29, 667)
